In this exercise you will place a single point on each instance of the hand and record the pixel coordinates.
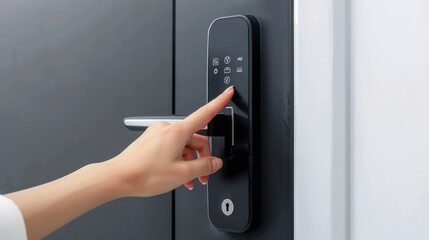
(162, 158)
(157, 162)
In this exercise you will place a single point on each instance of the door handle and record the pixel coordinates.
(143, 122)
(222, 125)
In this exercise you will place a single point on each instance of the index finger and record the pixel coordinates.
(200, 118)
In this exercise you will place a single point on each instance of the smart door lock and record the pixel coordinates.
(232, 60)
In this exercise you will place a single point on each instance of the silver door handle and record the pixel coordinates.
(218, 124)
(142, 123)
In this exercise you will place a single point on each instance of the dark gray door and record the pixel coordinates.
(193, 18)
(70, 70)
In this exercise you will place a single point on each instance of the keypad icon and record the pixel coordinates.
(227, 59)
(227, 80)
(227, 70)
(215, 62)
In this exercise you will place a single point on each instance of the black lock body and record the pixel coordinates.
(233, 60)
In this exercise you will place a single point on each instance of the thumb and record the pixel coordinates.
(203, 166)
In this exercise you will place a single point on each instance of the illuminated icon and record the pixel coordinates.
(240, 59)
(215, 62)
(227, 80)
(239, 69)
(215, 71)
(227, 59)
(227, 70)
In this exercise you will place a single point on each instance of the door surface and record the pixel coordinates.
(70, 70)
(193, 18)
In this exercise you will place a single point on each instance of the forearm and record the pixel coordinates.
(50, 206)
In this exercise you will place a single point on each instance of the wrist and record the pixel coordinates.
(107, 179)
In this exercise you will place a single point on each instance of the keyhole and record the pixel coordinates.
(227, 207)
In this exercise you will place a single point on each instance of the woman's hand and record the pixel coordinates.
(157, 162)
(162, 158)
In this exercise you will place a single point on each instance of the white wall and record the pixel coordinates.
(321, 133)
(390, 119)
(361, 119)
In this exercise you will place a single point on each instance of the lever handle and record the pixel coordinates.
(220, 125)
(142, 123)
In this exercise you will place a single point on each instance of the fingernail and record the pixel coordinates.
(190, 188)
(204, 183)
(229, 89)
(216, 163)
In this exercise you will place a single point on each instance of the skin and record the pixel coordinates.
(159, 161)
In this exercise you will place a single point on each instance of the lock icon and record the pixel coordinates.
(227, 207)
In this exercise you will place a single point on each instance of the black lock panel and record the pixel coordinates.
(233, 60)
